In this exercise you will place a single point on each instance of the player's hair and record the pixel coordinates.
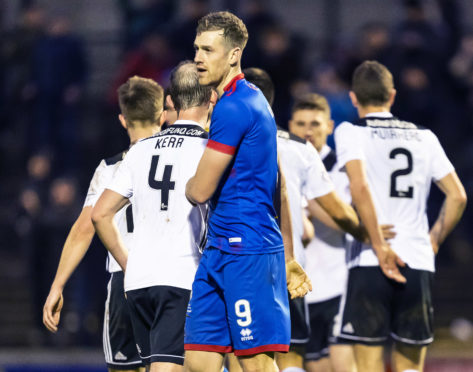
(141, 100)
(372, 84)
(185, 90)
(311, 101)
(234, 30)
(166, 93)
(262, 80)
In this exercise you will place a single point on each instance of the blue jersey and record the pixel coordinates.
(242, 217)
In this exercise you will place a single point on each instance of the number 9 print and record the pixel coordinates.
(245, 313)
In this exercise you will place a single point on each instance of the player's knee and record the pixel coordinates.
(194, 362)
(258, 363)
(193, 365)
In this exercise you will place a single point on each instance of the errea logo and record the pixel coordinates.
(246, 334)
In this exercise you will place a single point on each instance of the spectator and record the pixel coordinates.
(153, 59)
(59, 75)
(183, 32)
(142, 17)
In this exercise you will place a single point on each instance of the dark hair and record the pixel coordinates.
(166, 93)
(141, 100)
(372, 84)
(311, 101)
(234, 30)
(185, 90)
(262, 80)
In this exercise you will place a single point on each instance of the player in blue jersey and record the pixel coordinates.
(239, 301)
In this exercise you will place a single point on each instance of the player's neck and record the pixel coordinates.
(363, 111)
(234, 71)
(198, 114)
(138, 133)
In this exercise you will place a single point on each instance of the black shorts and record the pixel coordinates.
(322, 319)
(119, 344)
(299, 321)
(375, 307)
(158, 315)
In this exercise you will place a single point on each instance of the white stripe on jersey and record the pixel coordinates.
(305, 176)
(401, 162)
(167, 228)
(102, 177)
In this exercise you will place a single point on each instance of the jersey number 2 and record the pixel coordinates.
(165, 185)
(395, 193)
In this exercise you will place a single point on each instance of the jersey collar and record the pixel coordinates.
(382, 114)
(231, 86)
(186, 122)
(324, 151)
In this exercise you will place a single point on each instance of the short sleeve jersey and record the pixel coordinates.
(306, 177)
(242, 217)
(326, 253)
(168, 231)
(124, 218)
(401, 161)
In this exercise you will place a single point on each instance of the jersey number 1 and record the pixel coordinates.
(165, 185)
(395, 193)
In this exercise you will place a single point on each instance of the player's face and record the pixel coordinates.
(312, 125)
(212, 57)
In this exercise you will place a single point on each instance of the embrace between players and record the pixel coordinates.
(208, 227)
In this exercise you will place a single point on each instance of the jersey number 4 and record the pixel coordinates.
(395, 192)
(165, 185)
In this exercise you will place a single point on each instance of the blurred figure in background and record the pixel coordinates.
(280, 54)
(152, 59)
(49, 232)
(182, 32)
(57, 84)
(16, 58)
(140, 17)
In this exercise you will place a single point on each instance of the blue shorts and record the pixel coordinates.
(239, 303)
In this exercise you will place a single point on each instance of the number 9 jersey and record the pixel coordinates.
(168, 230)
(401, 161)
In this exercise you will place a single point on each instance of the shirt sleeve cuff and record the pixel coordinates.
(220, 147)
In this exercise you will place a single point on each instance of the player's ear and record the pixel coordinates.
(213, 97)
(235, 56)
(122, 121)
(330, 126)
(392, 97)
(354, 100)
(169, 102)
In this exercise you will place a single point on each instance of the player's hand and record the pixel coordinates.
(435, 244)
(52, 310)
(298, 283)
(388, 232)
(389, 262)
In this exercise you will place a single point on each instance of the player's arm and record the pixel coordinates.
(451, 211)
(309, 232)
(316, 211)
(211, 167)
(75, 247)
(363, 201)
(109, 203)
(298, 283)
(340, 212)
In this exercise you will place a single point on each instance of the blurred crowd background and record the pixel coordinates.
(62, 61)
